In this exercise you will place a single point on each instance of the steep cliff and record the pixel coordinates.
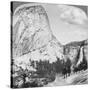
(76, 51)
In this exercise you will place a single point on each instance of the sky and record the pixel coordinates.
(66, 29)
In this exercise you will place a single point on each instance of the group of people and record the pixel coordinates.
(66, 71)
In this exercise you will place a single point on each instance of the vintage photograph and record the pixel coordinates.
(49, 44)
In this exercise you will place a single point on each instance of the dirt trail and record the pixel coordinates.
(74, 79)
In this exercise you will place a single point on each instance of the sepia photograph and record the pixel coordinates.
(49, 44)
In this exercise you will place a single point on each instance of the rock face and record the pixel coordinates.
(76, 51)
(32, 30)
(32, 36)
